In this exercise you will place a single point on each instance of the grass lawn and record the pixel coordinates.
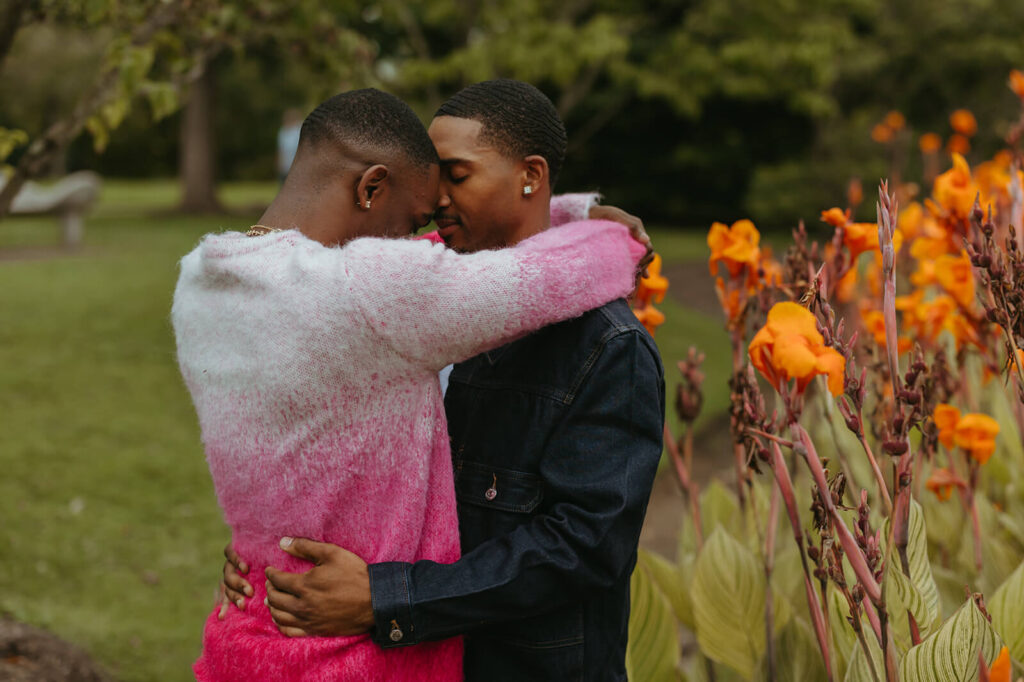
(110, 535)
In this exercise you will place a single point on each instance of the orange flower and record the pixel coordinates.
(963, 122)
(958, 144)
(954, 190)
(846, 287)
(929, 143)
(976, 433)
(946, 417)
(771, 269)
(854, 192)
(789, 346)
(910, 220)
(942, 482)
(736, 247)
(650, 317)
(860, 237)
(956, 276)
(874, 323)
(895, 120)
(836, 217)
(653, 286)
(882, 133)
(729, 300)
(963, 331)
(1017, 83)
(1001, 668)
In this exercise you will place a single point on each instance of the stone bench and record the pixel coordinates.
(70, 198)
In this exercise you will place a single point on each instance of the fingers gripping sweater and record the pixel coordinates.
(314, 374)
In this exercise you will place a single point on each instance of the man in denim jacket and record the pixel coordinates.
(555, 441)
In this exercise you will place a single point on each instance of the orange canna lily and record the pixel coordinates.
(736, 247)
(1017, 83)
(976, 433)
(954, 190)
(958, 144)
(729, 300)
(929, 143)
(963, 331)
(874, 322)
(882, 133)
(846, 287)
(854, 192)
(650, 317)
(653, 286)
(860, 237)
(836, 217)
(895, 120)
(946, 417)
(956, 276)
(1001, 667)
(963, 122)
(789, 346)
(943, 481)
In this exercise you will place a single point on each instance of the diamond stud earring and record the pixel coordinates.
(527, 190)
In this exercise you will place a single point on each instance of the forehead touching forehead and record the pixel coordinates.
(515, 118)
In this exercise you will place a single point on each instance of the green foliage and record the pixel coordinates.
(951, 653)
(728, 593)
(653, 651)
(918, 592)
(1007, 609)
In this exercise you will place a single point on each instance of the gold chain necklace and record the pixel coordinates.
(259, 230)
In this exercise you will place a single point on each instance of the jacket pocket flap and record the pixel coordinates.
(496, 488)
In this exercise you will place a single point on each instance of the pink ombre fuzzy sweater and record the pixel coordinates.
(314, 374)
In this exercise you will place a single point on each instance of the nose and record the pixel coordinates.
(444, 201)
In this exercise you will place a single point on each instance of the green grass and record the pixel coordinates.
(110, 535)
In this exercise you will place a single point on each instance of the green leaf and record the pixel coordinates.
(919, 593)
(951, 653)
(673, 581)
(1007, 609)
(99, 132)
(797, 656)
(718, 507)
(728, 603)
(11, 140)
(652, 652)
(860, 670)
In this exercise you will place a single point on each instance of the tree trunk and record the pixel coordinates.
(196, 161)
(11, 16)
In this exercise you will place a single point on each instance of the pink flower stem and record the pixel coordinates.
(738, 452)
(769, 566)
(854, 555)
(689, 486)
(785, 486)
(883, 490)
(973, 507)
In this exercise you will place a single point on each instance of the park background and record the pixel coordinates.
(682, 112)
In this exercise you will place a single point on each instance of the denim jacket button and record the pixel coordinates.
(491, 493)
(396, 632)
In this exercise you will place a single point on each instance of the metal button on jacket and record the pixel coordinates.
(396, 632)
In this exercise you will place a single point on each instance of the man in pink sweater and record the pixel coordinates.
(556, 438)
(311, 353)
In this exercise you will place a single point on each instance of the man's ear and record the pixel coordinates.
(372, 185)
(535, 173)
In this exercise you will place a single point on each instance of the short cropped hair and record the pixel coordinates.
(518, 119)
(370, 119)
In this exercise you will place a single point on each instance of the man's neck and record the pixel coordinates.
(307, 215)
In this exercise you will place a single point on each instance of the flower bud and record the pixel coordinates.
(895, 448)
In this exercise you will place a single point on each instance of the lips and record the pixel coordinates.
(446, 225)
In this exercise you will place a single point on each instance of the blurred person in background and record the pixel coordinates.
(287, 141)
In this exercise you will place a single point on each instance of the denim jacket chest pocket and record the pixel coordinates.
(498, 489)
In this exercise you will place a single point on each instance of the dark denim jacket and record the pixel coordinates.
(555, 442)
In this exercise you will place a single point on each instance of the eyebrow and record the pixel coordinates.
(453, 162)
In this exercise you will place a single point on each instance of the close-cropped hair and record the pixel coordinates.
(370, 119)
(517, 119)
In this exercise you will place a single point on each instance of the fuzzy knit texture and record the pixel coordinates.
(313, 371)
